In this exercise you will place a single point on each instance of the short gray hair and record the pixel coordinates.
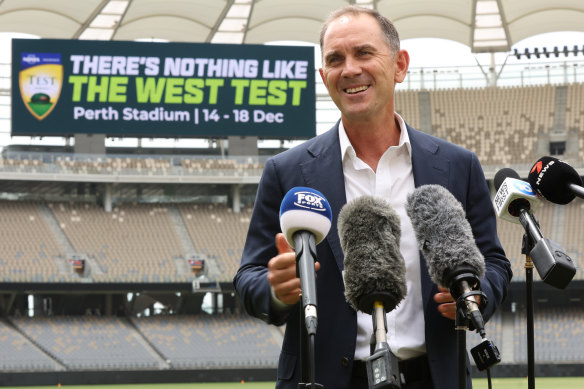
(387, 28)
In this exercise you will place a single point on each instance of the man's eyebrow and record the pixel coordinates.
(365, 46)
(355, 49)
(330, 54)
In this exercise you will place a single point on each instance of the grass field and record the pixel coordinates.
(497, 383)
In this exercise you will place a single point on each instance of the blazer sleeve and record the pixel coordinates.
(482, 218)
(251, 282)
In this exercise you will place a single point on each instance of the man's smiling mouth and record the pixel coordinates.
(357, 89)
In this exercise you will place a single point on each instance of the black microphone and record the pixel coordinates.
(446, 240)
(515, 201)
(374, 276)
(555, 180)
(305, 219)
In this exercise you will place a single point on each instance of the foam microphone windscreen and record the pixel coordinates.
(374, 269)
(550, 177)
(443, 233)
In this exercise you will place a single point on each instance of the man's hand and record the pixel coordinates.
(282, 272)
(446, 303)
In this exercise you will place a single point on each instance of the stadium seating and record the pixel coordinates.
(559, 335)
(133, 243)
(407, 105)
(217, 233)
(203, 341)
(230, 341)
(500, 125)
(113, 165)
(575, 114)
(144, 343)
(28, 250)
(90, 342)
(20, 354)
(135, 165)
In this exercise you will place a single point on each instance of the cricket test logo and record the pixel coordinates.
(40, 80)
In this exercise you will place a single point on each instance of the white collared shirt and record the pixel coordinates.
(393, 181)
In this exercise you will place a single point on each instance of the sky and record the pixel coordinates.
(424, 53)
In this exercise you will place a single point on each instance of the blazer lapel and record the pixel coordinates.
(427, 164)
(429, 167)
(324, 172)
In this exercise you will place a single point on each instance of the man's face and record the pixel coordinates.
(359, 69)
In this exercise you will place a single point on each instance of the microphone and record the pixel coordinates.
(374, 276)
(555, 180)
(305, 219)
(514, 201)
(512, 196)
(446, 240)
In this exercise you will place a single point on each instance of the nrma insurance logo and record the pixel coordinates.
(40, 80)
(310, 200)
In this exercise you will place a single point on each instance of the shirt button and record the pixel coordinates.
(345, 362)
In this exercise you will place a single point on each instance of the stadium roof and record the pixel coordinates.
(483, 25)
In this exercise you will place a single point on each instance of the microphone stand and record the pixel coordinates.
(526, 249)
(382, 364)
(306, 251)
(461, 323)
(307, 358)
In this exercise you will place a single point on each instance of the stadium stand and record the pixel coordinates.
(113, 165)
(203, 341)
(20, 354)
(28, 249)
(407, 105)
(559, 335)
(84, 164)
(90, 342)
(575, 114)
(501, 125)
(143, 343)
(133, 243)
(217, 233)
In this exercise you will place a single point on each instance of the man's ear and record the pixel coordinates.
(323, 77)
(402, 63)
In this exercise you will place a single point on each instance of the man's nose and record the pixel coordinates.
(352, 67)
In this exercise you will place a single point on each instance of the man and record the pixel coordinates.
(370, 151)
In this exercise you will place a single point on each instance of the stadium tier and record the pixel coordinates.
(559, 336)
(72, 343)
(29, 252)
(133, 243)
(203, 341)
(503, 126)
(148, 243)
(69, 343)
(218, 234)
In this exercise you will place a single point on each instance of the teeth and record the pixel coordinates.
(357, 89)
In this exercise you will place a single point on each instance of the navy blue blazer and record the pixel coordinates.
(317, 164)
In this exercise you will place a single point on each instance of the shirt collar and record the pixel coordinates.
(348, 150)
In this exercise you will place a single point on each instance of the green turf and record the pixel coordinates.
(498, 383)
(540, 383)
